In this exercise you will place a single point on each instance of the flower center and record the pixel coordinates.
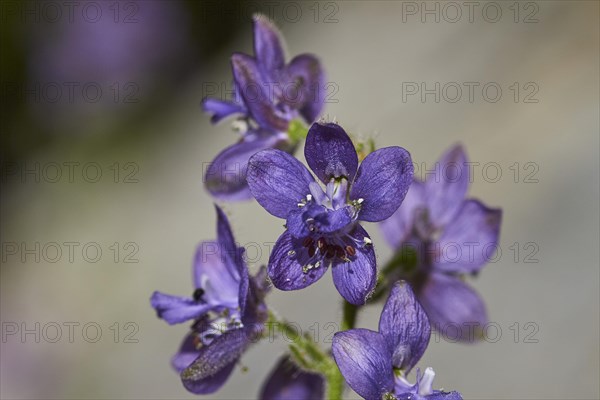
(423, 386)
(214, 325)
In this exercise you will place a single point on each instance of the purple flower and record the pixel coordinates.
(268, 95)
(227, 308)
(375, 364)
(288, 382)
(453, 236)
(322, 225)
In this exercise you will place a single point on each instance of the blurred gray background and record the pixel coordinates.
(547, 292)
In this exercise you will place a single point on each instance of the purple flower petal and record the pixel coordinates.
(211, 383)
(322, 220)
(225, 177)
(278, 181)
(382, 181)
(364, 360)
(397, 228)
(288, 382)
(215, 362)
(256, 93)
(268, 48)
(229, 249)
(453, 308)
(175, 309)
(220, 283)
(356, 279)
(447, 187)
(470, 240)
(330, 153)
(288, 261)
(186, 355)
(307, 87)
(405, 327)
(232, 257)
(221, 109)
(254, 310)
(439, 395)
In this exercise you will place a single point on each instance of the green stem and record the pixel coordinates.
(349, 316)
(335, 383)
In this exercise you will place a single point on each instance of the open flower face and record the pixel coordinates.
(375, 364)
(322, 220)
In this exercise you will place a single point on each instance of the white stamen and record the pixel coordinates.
(301, 204)
(367, 240)
(426, 383)
(240, 126)
(359, 201)
(308, 197)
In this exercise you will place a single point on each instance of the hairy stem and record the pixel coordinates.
(335, 383)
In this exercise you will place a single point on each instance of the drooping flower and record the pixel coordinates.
(288, 382)
(268, 95)
(227, 308)
(323, 227)
(376, 364)
(451, 236)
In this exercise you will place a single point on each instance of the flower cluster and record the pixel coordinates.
(324, 207)
(269, 94)
(323, 227)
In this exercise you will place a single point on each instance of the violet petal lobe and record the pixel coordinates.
(382, 181)
(211, 383)
(330, 153)
(288, 262)
(255, 92)
(453, 308)
(447, 187)
(278, 181)
(306, 86)
(268, 44)
(470, 240)
(225, 177)
(219, 283)
(186, 354)
(405, 327)
(253, 310)
(230, 251)
(221, 109)
(356, 279)
(215, 362)
(440, 395)
(397, 228)
(175, 309)
(288, 382)
(364, 360)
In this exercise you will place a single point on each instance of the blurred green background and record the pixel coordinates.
(104, 144)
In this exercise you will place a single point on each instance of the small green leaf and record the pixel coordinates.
(297, 131)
